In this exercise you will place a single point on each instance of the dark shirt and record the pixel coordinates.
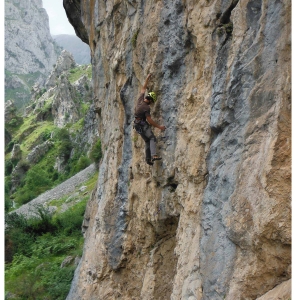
(142, 109)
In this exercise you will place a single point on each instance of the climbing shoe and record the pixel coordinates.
(149, 162)
(155, 157)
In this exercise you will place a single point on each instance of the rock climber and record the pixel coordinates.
(143, 121)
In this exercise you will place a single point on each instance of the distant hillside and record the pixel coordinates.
(30, 51)
(73, 44)
(57, 130)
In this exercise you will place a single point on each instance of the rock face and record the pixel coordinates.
(38, 152)
(30, 51)
(27, 49)
(16, 153)
(212, 219)
(10, 111)
(61, 97)
(64, 63)
(280, 292)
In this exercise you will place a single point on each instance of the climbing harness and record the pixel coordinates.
(138, 124)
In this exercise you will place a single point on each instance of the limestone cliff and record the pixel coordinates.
(64, 102)
(212, 219)
(30, 51)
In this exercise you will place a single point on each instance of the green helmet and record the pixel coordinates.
(152, 95)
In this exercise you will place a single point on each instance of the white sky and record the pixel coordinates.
(58, 21)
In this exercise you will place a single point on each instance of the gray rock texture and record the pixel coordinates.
(212, 220)
(17, 174)
(38, 152)
(281, 292)
(62, 99)
(65, 105)
(30, 51)
(10, 111)
(64, 63)
(16, 153)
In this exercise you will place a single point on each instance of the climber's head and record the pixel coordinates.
(151, 96)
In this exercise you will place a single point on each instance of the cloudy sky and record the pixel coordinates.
(58, 20)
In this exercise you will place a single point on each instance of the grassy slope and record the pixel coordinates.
(30, 133)
(35, 249)
(15, 93)
(77, 72)
(37, 274)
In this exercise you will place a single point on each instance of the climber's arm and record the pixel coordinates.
(143, 90)
(150, 121)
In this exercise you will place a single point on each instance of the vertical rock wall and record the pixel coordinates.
(28, 50)
(212, 219)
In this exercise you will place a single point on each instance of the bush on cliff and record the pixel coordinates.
(96, 152)
(35, 182)
(35, 249)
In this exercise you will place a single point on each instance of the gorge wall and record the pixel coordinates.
(212, 219)
(30, 51)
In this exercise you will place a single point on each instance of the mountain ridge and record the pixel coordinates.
(29, 53)
(73, 44)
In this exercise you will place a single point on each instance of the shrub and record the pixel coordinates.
(35, 249)
(42, 223)
(82, 163)
(70, 221)
(96, 152)
(15, 220)
(23, 164)
(8, 167)
(13, 122)
(25, 195)
(17, 240)
(84, 108)
(37, 178)
(35, 183)
(65, 146)
(8, 203)
(134, 38)
(9, 146)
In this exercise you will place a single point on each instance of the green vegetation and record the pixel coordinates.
(96, 152)
(34, 134)
(29, 181)
(21, 95)
(35, 183)
(84, 108)
(42, 176)
(76, 127)
(225, 29)
(79, 71)
(40, 93)
(35, 249)
(134, 38)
